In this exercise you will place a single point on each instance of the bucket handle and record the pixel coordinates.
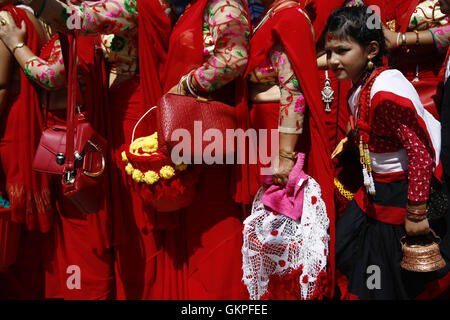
(431, 230)
(137, 123)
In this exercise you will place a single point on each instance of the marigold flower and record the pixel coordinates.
(129, 169)
(150, 177)
(167, 172)
(138, 176)
(124, 156)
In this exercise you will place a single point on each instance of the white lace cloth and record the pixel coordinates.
(277, 245)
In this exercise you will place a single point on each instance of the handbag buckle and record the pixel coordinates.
(60, 158)
(69, 176)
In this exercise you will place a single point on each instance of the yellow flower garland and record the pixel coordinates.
(167, 172)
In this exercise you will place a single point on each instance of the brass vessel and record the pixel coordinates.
(422, 257)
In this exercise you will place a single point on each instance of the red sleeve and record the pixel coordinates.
(406, 128)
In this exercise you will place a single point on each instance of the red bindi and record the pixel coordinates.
(330, 36)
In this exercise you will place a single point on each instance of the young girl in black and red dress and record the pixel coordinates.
(399, 144)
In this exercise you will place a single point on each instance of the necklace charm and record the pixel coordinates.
(327, 93)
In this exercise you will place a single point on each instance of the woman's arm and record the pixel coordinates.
(291, 113)
(104, 17)
(227, 46)
(407, 129)
(47, 73)
(431, 39)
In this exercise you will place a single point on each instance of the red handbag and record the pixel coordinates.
(82, 173)
(195, 116)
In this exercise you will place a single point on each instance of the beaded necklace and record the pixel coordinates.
(363, 128)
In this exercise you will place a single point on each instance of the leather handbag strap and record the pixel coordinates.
(73, 95)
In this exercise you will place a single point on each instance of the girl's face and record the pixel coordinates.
(445, 6)
(346, 58)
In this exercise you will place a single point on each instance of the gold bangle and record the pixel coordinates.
(288, 155)
(18, 46)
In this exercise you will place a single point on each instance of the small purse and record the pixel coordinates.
(180, 116)
(81, 174)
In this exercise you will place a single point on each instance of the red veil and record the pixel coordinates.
(291, 28)
(154, 31)
(28, 191)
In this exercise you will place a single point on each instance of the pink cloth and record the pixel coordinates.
(287, 200)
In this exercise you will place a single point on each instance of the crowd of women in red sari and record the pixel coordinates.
(289, 70)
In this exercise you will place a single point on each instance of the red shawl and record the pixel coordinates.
(291, 28)
(185, 54)
(29, 194)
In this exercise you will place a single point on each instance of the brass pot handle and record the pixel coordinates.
(431, 230)
(402, 238)
(98, 173)
(436, 236)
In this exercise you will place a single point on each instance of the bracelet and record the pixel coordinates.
(417, 37)
(403, 39)
(188, 83)
(398, 38)
(288, 155)
(416, 215)
(415, 218)
(18, 46)
(44, 2)
(416, 212)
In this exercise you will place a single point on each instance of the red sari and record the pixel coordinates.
(285, 27)
(139, 245)
(201, 255)
(29, 193)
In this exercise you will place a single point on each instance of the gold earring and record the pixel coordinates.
(370, 65)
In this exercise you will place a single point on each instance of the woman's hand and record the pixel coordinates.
(10, 34)
(414, 228)
(391, 38)
(281, 170)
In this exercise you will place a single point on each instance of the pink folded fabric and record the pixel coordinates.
(288, 199)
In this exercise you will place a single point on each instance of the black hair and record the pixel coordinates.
(361, 24)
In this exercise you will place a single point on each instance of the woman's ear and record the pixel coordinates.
(372, 49)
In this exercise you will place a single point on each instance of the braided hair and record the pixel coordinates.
(362, 25)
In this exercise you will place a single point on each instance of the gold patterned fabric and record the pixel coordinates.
(427, 15)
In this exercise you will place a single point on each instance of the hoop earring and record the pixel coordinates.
(370, 65)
